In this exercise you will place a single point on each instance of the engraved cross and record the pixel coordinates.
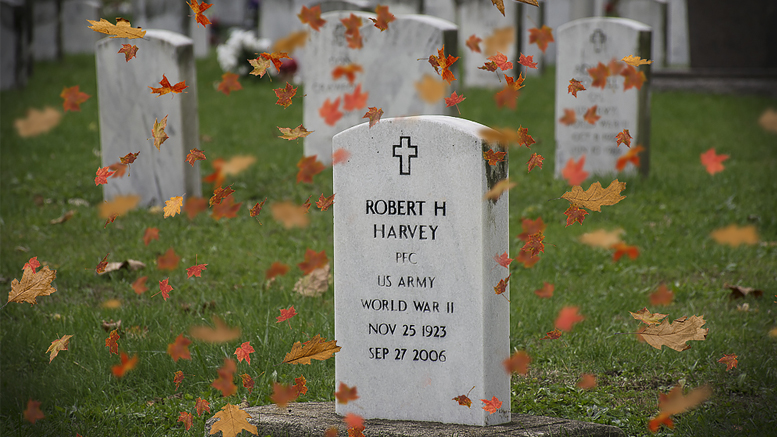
(404, 151)
(598, 38)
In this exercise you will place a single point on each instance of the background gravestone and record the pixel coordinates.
(677, 47)
(531, 17)
(445, 9)
(392, 86)
(416, 313)
(128, 111)
(654, 14)
(16, 40)
(499, 33)
(46, 41)
(76, 37)
(582, 44)
(169, 15)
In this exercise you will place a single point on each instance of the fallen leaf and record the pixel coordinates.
(231, 421)
(767, 120)
(33, 413)
(675, 335)
(587, 381)
(552, 335)
(168, 261)
(112, 342)
(622, 248)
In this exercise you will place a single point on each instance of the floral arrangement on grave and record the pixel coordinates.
(240, 46)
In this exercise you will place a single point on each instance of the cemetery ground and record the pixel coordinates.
(669, 216)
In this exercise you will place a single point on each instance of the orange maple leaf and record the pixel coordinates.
(530, 227)
(590, 115)
(573, 172)
(165, 288)
(713, 162)
(633, 78)
(339, 156)
(632, 156)
(168, 261)
(329, 111)
(501, 61)
(309, 166)
(730, 360)
(503, 260)
(518, 363)
(492, 405)
(575, 214)
(284, 95)
(352, 34)
(224, 381)
(73, 98)
(179, 348)
(622, 248)
(248, 382)
(599, 75)
(473, 43)
(623, 137)
(534, 244)
(444, 64)
(354, 421)
(587, 381)
(454, 100)
(325, 202)
(194, 206)
(524, 139)
(569, 117)
(374, 115)
(344, 394)
(527, 61)
(276, 269)
(567, 317)
(275, 58)
(526, 259)
(313, 261)
(675, 403)
(201, 19)
(226, 209)
(299, 385)
(244, 352)
(201, 405)
(492, 157)
(102, 175)
(167, 88)
(185, 417)
(574, 87)
(312, 17)
(541, 37)
(195, 270)
(384, 17)
(662, 296)
(535, 161)
(33, 412)
(229, 82)
(129, 50)
(355, 100)
(178, 379)
(139, 286)
(508, 96)
(552, 335)
(283, 394)
(150, 234)
(222, 333)
(546, 291)
(61, 344)
(111, 344)
(501, 287)
(195, 155)
(220, 194)
(126, 365)
(349, 71)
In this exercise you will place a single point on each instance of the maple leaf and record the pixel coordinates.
(102, 175)
(257, 209)
(644, 315)
(139, 286)
(276, 269)
(129, 50)
(440, 61)
(501, 61)
(120, 205)
(354, 421)
(374, 115)
(662, 296)
(195, 270)
(574, 87)
(220, 194)
(299, 385)
(232, 421)
(384, 17)
(293, 134)
(312, 17)
(185, 417)
(33, 412)
(129, 158)
(101, 265)
(632, 156)
(500, 187)
(248, 382)
(453, 100)
(32, 264)
(575, 214)
(567, 317)
(329, 111)
(165, 288)
(349, 71)
(595, 196)
(260, 66)
(309, 166)
(534, 245)
(126, 365)
(552, 335)
(275, 58)
(675, 335)
(503, 260)
(168, 261)
(119, 169)
(179, 348)
(284, 95)
(569, 117)
(289, 44)
(622, 248)
(201, 405)
(244, 351)
(518, 363)
(526, 259)
(60, 344)
(542, 37)
(344, 394)
(501, 287)
(492, 157)
(227, 208)
(121, 29)
(530, 227)
(325, 202)
(166, 88)
(429, 89)
(313, 261)
(150, 234)
(158, 132)
(587, 381)
(229, 82)
(290, 215)
(492, 405)
(713, 162)
(37, 122)
(730, 360)
(535, 161)
(623, 137)
(178, 379)
(201, 19)
(195, 155)
(524, 139)
(356, 100)
(734, 235)
(194, 206)
(473, 42)
(675, 403)
(635, 61)
(546, 291)
(283, 394)
(590, 115)
(111, 344)
(599, 75)
(224, 381)
(173, 206)
(633, 78)
(317, 349)
(527, 61)
(221, 334)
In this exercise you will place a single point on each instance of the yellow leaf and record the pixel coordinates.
(676, 334)
(57, 345)
(260, 65)
(37, 122)
(644, 315)
(733, 235)
(602, 238)
(768, 120)
(158, 131)
(316, 349)
(499, 41)
(32, 285)
(173, 206)
(118, 206)
(237, 164)
(635, 61)
(429, 89)
(232, 421)
(595, 196)
(293, 134)
(499, 188)
(121, 29)
(290, 42)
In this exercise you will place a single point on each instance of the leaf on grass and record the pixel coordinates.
(244, 351)
(730, 360)
(185, 417)
(622, 248)
(675, 335)
(201, 405)
(738, 291)
(587, 381)
(713, 162)
(552, 335)
(179, 348)
(232, 421)
(32, 285)
(317, 349)
(139, 286)
(60, 344)
(168, 261)
(33, 412)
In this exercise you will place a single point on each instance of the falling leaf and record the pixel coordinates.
(229, 82)
(494, 158)
(329, 111)
(283, 394)
(518, 363)
(179, 348)
(126, 365)
(567, 317)
(102, 175)
(139, 286)
(453, 100)
(185, 417)
(313, 261)
(165, 288)
(33, 412)
(443, 63)
(738, 292)
(226, 209)
(167, 88)
(590, 115)
(587, 381)
(492, 405)
(158, 132)
(325, 203)
(662, 296)
(767, 120)
(32, 285)
(373, 114)
(257, 209)
(60, 344)
(542, 37)
(293, 134)
(623, 137)
(340, 156)
(168, 261)
(429, 89)
(644, 315)
(284, 95)
(632, 156)
(384, 17)
(290, 215)
(527, 61)
(201, 405)
(345, 394)
(546, 291)
(248, 382)
(194, 206)
(734, 235)
(501, 287)
(595, 196)
(500, 187)
(635, 61)
(317, 349)
(712, 162)
(129, 50)
(221, 334)
(309, 166)
(354, 421)
(119, 206)
(675, 403)
(552, 335)
(173, 206)
(32, 264)
(730, 360)
(622, 248)
(575, 214)
(260, 65)
(599, 75)
(37, 122)
(473, 43)
(602, 238)
(232, 421)
(349, 71)
(224, 381)
(201, 19)
(632, 78)
(352, 35)
(73, 98)
(299, 385)
(503, 260)
(220, 194)
(195, 270)
(534, 244)
(111, 343)
(569, 117)
(244, 352)
(676, 334)
(312, 17)
(573, 172)
(530, 227)
(121, 29)
(276, 269)
(574, 87)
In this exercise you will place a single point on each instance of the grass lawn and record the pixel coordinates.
(668, 215)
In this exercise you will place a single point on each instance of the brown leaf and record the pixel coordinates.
(37, 122)
(644, 315)
(738, 292)
(733, 235)
(232, 421)
(602, 238)
(122, 28)
(63, 218)
(221, 334)
(317, 349)
(676, 334)
(32, 285)
(595, 196)
(315, 283)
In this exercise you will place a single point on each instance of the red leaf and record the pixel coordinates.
(546, 291)
(535, 161)
(229, 82)
(178, 379)
(352, 102)
(384, 17)
(501, 61)
(527, 61)
(32, 264)
(73, 98)
(33, 412)
(165, 288)
(623, 137)
(352, 34)
(248, 382)
(575, 214)
(573, 172)
(166, 88)
(633, 78)
(344, 394)
(329, 111)
(313, 261)
(179, 348)
(286, 314)
(185, 417)
(201, 405)
(624, 249)
(129, 50)
(518, 363)
(276, 269)
(139, 286)
(126, 365)
(494, 158)
(312, 17)
(599, 75)
(325, 202)
(168, 261)
(730, 360)
(530, 227)
(309, 166)
(567, 317)
(283, 394)
(284, 95)
(575, 86)
(353, 420)
(201, 19)
(220, 194)
(195, 155)
(541, 36)
(150, 234)
(111, 344)
(194, 206)
(590, 115)
(524, 139)
(662, 296)
(503, 260)
(102, 264)
(473, 42)
(374, 115)
(195, 270)
(227, 209)
(713, 162)
(534, 244)
(632, 156)
(569, 117)
(244, 352)
(339, 156)
(552, 335)
(102, 175)
(587, 381)
(257, 208)
(492, 405)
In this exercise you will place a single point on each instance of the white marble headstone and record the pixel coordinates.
(46, 42)
(416, 313)
(77, 38)
(531, 17)
(499, 33)
(390, 60)
(128, 111)
(558, 12)
(654, 14)
(678, 47)
(581, 45)
(445, 9)
(172, 15)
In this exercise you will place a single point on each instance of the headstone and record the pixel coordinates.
(76, 37)
(445, 9)
(582, 44)
(654, 14)
(416, 313)
(531, 17)
(498, 33)
(558, 12)
(344, 5)
(16, 40)
(46, 42)
(278, 18)
(231, 12)
(128, 111)
(678, 48)
(200, 38)
(401, 7)
(172, 15)
(392, 86)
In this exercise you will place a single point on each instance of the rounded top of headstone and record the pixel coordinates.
(173, 38)
(600, 21)
(389, 125)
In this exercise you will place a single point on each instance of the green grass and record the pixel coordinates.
(668, 215)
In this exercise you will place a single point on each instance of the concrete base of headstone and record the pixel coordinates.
(314, 418)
